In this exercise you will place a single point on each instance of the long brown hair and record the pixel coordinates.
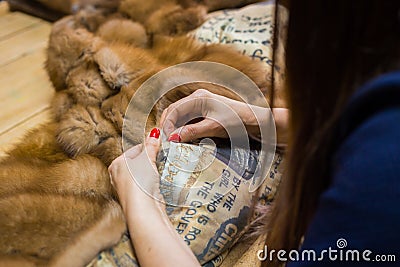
(332, 48)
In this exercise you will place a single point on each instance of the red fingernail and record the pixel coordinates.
(155, 133)
(175, 138)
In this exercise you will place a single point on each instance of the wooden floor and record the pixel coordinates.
(25, 90)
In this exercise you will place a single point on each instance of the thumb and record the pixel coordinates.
(204, 128)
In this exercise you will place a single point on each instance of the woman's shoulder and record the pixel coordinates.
(378, 95)
(369, 133)
(361, 203)
(370, 124)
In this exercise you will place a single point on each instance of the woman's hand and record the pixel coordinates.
(219, 117)
(136, 180)
(134, 173)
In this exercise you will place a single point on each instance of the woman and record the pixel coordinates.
(343, 151)
(343, 63)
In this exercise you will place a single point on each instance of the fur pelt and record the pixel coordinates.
(57, 207)
(96, 82)
(55, 211)
(174, 17)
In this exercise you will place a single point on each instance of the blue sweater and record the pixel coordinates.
(361, 207)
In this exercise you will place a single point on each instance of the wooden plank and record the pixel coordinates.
(14, 23)
(25, 89)
(24, 44)
(14, 135)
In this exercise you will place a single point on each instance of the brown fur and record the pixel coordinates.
(83, 128)
(86, 86)
(69, 46)
(140, 11)
(174, 17)
(119, 63)
(48, 202)
(173, 20)
(168, 18)
(109, 5)
(60, 211)
(129, 32)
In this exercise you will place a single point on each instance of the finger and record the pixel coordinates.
(174, 113)
(204, 128)
(190, 106)
(133, 152)
(163, 115)
(152, 144)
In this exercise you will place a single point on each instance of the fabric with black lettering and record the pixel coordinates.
(208, 199)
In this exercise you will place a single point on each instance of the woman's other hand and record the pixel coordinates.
(219, 117)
